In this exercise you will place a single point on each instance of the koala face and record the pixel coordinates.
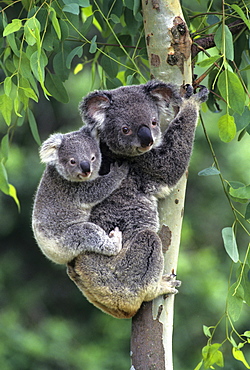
(75, 155)
(127, 119)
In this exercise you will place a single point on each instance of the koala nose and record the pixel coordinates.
(145, 136)
(85, 166)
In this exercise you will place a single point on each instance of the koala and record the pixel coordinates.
(127, 121)
(69, 188)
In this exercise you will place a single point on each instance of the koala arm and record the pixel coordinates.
(169, 161)
(97, 190)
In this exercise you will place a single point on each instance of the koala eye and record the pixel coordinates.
(154, 122)
(126, 130)
(72, 161)
(93, 159)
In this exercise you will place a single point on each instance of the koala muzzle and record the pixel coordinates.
(85, 166)
(145, 136)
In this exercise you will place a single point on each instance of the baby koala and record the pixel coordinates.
(69, 188)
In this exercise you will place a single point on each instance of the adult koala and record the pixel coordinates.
(127, 120)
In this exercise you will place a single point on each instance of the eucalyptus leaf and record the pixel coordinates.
(230, 243)
(227, 128)
(6, 106)
(33, 126)
(232, 91)
(56, 88)
(210, 171)
(109, 65)
(238, 355)
(72, 8)
(93, 46)
(241, 192)
(247, 212)
(14, 26)
(224, 41)
(235, 299)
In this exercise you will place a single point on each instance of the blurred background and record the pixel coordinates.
(46, 323)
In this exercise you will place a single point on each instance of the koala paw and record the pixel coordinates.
(119, 170)
(202, 95)
(169, 284)
(189, 91)
(116, 237)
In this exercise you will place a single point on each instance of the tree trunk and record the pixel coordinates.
(169, 52)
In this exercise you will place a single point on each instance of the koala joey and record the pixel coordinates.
(69, 188)
(127, 121)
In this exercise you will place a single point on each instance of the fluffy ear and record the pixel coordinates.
(93, 108)
(164, 94)
(49, 149)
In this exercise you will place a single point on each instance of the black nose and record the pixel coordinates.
(85, 166)
(145, 136)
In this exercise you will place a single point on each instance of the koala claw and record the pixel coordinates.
(116, 236)
(169, 284)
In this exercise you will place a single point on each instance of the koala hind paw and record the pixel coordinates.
(116, 237)
(169, 284)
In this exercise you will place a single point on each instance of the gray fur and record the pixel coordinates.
(69, 188)
(119, 284)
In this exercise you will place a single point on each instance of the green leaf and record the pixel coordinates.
(4, 185)
(235, 299)
(12, 43)
(32, 29)
(14, 26)
(212, 356)
(210, 171)
(206, 331)
(13, 194)
(230, 243)
(243, 120)
(55, 22)
(76, 51)
(5, 148)
(227, 128)
(38, 62)
(241, 14)
(109, 65)
(232, 90)
(56, 88)
(72, 8)
(33, 126)
(6, 106)
(242, 192)
(224, 41)
(247, 213)
(238, 355)
(198, 367)
(115, 19)
(246, 334)
(84, 3)
(7, 85)
(209, 61)
(93, 45)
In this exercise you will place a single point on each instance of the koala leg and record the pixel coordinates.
(81, 237)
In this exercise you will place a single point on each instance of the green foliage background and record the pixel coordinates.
(51, 54)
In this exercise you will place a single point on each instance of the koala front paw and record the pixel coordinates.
(202, 95)
(116, 237)
(119, 170)
(189, 91)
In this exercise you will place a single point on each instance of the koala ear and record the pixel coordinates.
(93, 108)
(163, 93)
(49, 149)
